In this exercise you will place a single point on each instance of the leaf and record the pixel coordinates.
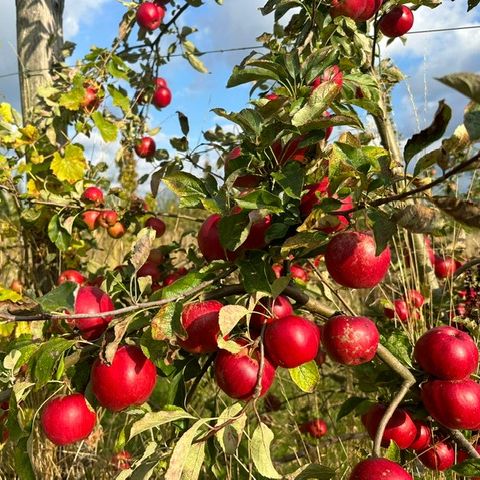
(142, 246)
(108, 129)
(350, 405)
(472, 4)
(254, 274)
(167, 322)
(229, 345)
(468, 468)
(313, 471)
(60, 298)
(399, 344)
(183, 120)
(6, 112)
(21, 457)
(9, 295)
(431, 134)
(291, 178)
(230, 436)
(57, 234)
(119, 98)
(466, 212)
(156, 419)
(119, 331)
(464, 82)
(306, 376)
(71, 166)
(383, 230)
(196, 63)
(393, 453)
(189, 188)
(417, 219)
(308, 240)
(260, 451)
(233, 230)
(193, 465)
(71, 100)
(229, 316)
(472, 121)
(261, 200)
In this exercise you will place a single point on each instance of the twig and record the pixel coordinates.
(199, 377)
(460, 440)
(466, 266)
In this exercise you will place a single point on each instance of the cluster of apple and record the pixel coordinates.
(91, 100)
(394, 23)
(160, 95)
(150, 14)
(406, 308)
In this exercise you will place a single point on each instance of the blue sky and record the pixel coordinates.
(236, 24)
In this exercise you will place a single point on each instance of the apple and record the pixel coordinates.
(446, 353)
(149, 16)
(453, 403)
(149, 269)
(237, 373)
(116, 231)
(423, 437)
(93, 195)
(400, 310)
(351, 260)
(372, 7)
(145, 147)
(400, 428)
(396, 22)
(97, 281)
(291, 151)
(348, 8)
(90, 218)
(291, 341)
(350, 340)
(71, 276)
(160, 82)
(330, 74)
(92, 300)
(444, 266)
(200, 321)
(256, 236)
(122, 460)
(17, 286)
(267, 311)
(271, 96)
(440, 456)
(129, 380)
(90, 101)
(243, 181)
(379, 469)
(157, 224)
(66, 419)
(209, 240)
(277, 270)
(156, 256)
(299, 273)
(162, 97)
(317, 428)
(415, 298)
(108, 218)
(172, 278)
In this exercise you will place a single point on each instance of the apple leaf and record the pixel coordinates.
(167, 324)
(189, 188)
(472, 121)
(383, 230)
(60, 298)
(463, 211)
(260, 450)
(156, 419)
(306, 376)
(308, 240)
(119, 98)
(72, 99)
(21, 457)
(254, 274)
(350, 405)
(71, 166)
(142, 468)
(108, 129)
(314, 471)
(418, 219)
(399, 344)
(233, 230)
(9, 295)
(393, 453)
(141, 248)
(468, 468)
(229, 316)
(248, 119)
(261, 200)
(464, 82)
(291, 179)
(57, 234)
(229, 437)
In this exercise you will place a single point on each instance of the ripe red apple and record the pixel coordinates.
(267, 311)
(200, 321)
(93, 195)
(372, 7)
(415, 298)
(348, 8)
(108, 218)
(90, 218)
(160, 82)
(440, 456)
(116, 231)
(256, 237)
(243, 181)
(145, 147)
(149, 269)
(444, 266)
(92, 300)
(379, 469)
(162, 96)
(122, 460)
(317, 428)
(209, 240)
(291, 341)
(396, 22)
(157, 224)
(91, 100)
(271, 96)
(67, 419)
(299, 273)
(129, 380)
(149, 16)
(330, 74)
(454, 404)
(277, 270)
(447, 353)
(399, 310)
(351, 260)
(291, 151)
(423, 437)
(350, 340)
(236, 374)
(71, 276)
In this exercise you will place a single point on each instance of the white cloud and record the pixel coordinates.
(81, 12)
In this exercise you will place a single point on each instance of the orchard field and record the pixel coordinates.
(292, 296)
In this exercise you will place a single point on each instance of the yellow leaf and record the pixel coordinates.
(32, 188)
(22, 328)
(6, 328)
(6, 112)
(71, 167)
(29, 133)
(36, 158)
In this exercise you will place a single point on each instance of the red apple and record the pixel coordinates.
(90, 101)
(256, 237)
(90, 218)
(243, 181)
(330, 74)
(93, 195)
(237, 374)
(454, 404)
(149, 269)
(317, 428)
(145, 147)
(200, 321)
(291, 341)
(209, 240)
(447, 353)
(108, 218)
(351, 260)
(162, 97)
(149, 16)
(348, 8)
(379, 469)
(277, 270)
(291, 151)
(396, 22)
(116, 231)
(267, 311)
(400, 310)
(129, 380)
(71, 276)
(423, 437)
(157, 224)
(444, 266)
(415, 298)
(160, 82)
(372, 7)
(16, 286)
(299, 273)
(271, 96)
(122, 460)
(92, 300)
(440, 456)
(350, 340)
(67, 419)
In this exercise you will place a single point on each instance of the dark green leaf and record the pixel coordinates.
(183, 120)
(261, 200)
(466, 83)
(399, 344)
(23, 465)
(317, 472)
(350, 405)
(383, 229)
(254, 274)
(468, 468)
(233, 230)
(60, 298)
(472, 121)
(291, 178)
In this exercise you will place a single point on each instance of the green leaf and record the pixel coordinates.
(260, 451)
(350, 405)
(189, 188)
(71, 166)
(318, 472)
(466, 83)
(60, 298)
(254, 274)
(306, 376)
(156, 419)
(399, 344)
(108, 129)
(291, 179)
(429, 135)
(308, 240)
(468, 468)
(393, 453)
(247, 74)
(233, 230)
(229, 437)
(119, 98)
(472, 121)
(9, 295)
(118, 68)
(261, 200)
(229, 316)
(383, 230)
(183, 284)
(73, 98)
(23, 464)
(248, 119)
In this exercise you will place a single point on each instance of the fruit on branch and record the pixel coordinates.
(71, 276)
(157, 225)
(160, 82)
(291, 341)
(423, 437)
(256, 237)
(453, 403)
(242, 181)
(108, 218)
(415, 298)
(173, 277)
(330, 74)
(90, 218)
(93, 195)
(372, 7)
(396, 22)
(162, 97)
(299, 273)
(379, 469)
(350, 340)
(317, 428)
(351, 260)
(149, 269)
(66, 419)
(128, 381)
(400, 428)
(237, 373)
(348, 8)
(122, 460)
(200, 321)
(150, 15)
(92, 300)
(145, 147)
(440, 456)
(91, 100)
(277, 270)
(268, 310)
(116, 231)
(444, 266)
(446, 353)
(400, 310)
(271, 96)
(291, 151)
